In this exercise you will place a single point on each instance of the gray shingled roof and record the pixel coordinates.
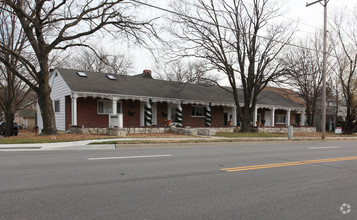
(140, 85)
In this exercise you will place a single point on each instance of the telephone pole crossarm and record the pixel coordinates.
(312, 3)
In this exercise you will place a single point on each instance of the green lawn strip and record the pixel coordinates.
(247, 134)
(40, 141)
(181, 141)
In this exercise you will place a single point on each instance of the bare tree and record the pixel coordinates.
(303, 72)
(193, 72)
(100, 61)
(344, 38)
(227, 34)
(12, 89)
(59, 25)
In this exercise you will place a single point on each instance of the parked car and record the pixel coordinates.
(15, 128)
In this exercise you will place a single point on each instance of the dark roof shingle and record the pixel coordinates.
(148, 87)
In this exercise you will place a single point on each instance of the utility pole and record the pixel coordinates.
(324, 60)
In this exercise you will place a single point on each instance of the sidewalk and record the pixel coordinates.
(83, 145)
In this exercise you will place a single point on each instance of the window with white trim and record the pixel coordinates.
(106, 107)
(280, 119)
(57, 105)
(198, 111)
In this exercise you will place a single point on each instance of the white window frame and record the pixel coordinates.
(59, 105)
(109, 103)
(277, 117)
(198, 116)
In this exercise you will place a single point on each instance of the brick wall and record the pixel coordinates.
(188, 120)
(161, 114)
(217, 117)
(87, 113)
(133, 107)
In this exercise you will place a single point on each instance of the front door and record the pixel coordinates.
(267, 118)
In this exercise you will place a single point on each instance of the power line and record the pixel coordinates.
(294, 20)
(222, 26)
(308, 25)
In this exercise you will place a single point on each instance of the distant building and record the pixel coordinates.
(331, 108)
(26, 115)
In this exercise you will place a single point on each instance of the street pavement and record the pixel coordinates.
(279, 180)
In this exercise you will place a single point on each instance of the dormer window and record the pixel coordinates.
(82, 74)
(111, 77)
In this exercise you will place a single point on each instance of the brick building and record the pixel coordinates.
(85, 98)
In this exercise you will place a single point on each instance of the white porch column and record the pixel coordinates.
(273, 117)
(142, 114)
(74, 109)
(234, 116)
(148, 113)
(169, 112)
(154, 113)
(255, 116)
(288, 117)
(303, 118)
(179, 116)
(114, 108)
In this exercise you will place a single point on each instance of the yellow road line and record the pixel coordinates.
(264, 166)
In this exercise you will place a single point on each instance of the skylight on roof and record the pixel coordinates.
(82, 74)
(112, 77)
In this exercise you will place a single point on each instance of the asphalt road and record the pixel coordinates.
(182, 182)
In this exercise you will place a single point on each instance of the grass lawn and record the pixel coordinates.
(28, 136)
(183, 141)
(247, 134)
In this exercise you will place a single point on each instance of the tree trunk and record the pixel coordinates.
(9, 107)
(245, 126)
(9, 117)
(245, 121)
(308, 116)
(313, 118)
(47, 112)
(349, 122)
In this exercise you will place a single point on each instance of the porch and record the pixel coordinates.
(92, 110)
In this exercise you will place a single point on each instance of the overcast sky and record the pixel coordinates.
(308, 20)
